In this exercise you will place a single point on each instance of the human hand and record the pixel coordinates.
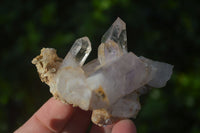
(57, 117)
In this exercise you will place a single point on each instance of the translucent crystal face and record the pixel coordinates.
(78, 53)
(81, 49)
(117, 33)
(108, 52)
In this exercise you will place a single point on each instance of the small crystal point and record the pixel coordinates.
(117, 33)
(108, 52)
(91, 67)
(78, 53)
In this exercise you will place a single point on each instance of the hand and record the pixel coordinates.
(57, 117)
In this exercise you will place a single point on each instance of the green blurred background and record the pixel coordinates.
(164, 30)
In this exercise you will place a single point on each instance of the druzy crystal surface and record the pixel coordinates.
(109, 86)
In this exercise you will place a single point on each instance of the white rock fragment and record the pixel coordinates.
(110, 85)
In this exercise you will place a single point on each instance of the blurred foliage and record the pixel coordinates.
(167, 30)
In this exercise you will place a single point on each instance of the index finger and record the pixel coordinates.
(51, 117)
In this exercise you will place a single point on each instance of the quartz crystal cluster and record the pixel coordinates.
(109, 86)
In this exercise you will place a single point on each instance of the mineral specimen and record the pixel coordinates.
(110, 85)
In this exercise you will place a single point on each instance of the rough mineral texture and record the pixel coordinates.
(109, 86)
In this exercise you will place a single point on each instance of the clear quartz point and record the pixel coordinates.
(78, 53)
(117, 33)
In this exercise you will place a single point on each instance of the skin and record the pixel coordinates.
(57, 117)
